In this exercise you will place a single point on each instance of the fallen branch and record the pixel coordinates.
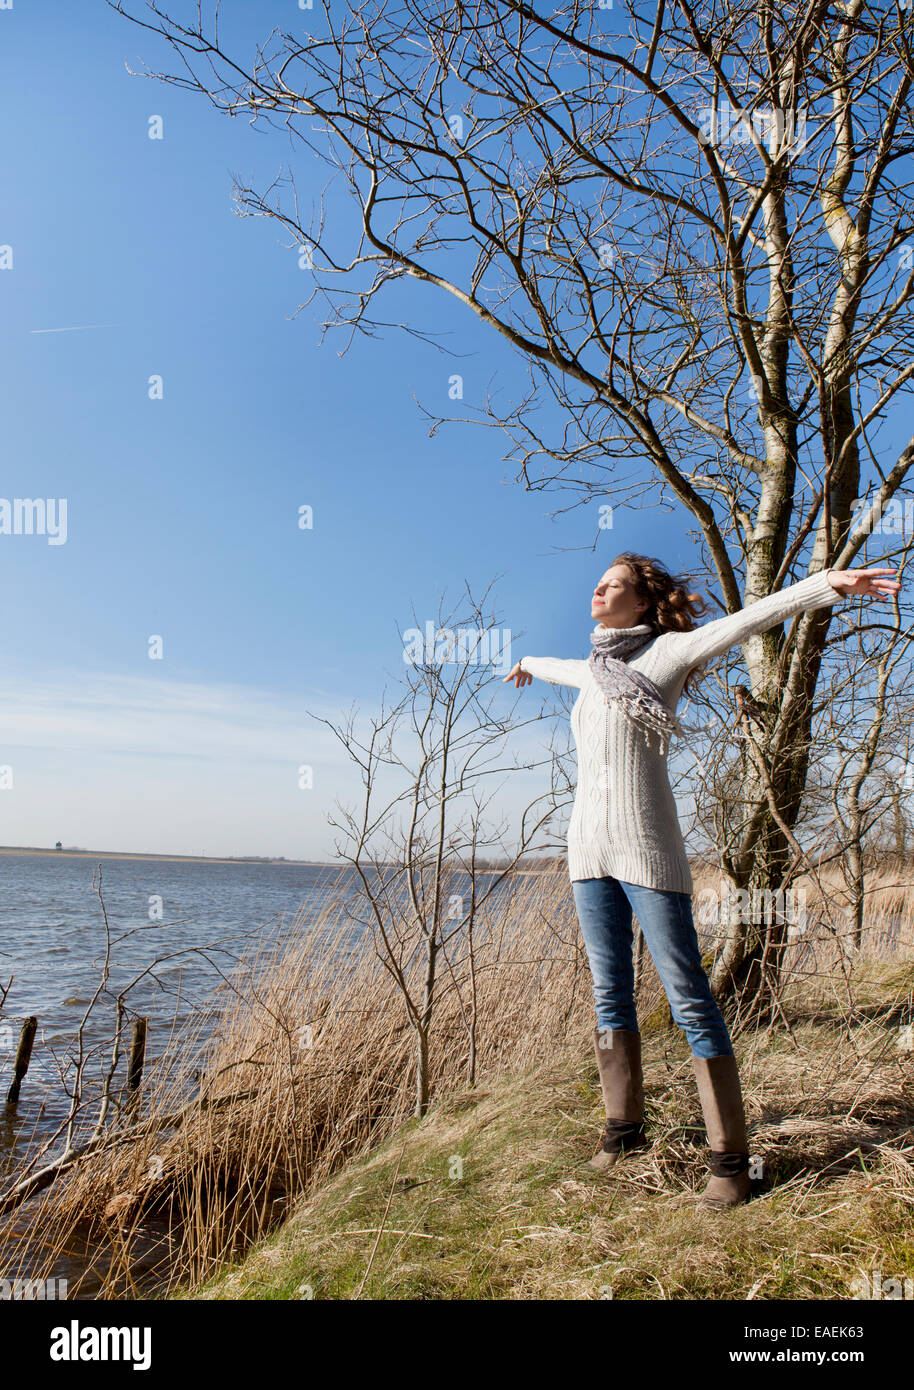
(37, 1182)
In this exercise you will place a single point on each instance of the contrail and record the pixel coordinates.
(79, 328)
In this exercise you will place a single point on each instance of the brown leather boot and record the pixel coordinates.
(619, 1062)
(725, 1123)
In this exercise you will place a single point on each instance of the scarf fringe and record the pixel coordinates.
(645, 713)
(645, 708)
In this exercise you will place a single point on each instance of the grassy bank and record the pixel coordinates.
(291, 1159)
(489, 1196)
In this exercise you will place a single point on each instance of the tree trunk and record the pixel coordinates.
(747, 976)
(422, 1076)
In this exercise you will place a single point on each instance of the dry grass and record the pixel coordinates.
(521, 1217)
(308, 1094)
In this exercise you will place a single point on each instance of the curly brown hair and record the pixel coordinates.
(671, 607)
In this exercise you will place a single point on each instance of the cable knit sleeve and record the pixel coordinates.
(690, 649)
(554, 670)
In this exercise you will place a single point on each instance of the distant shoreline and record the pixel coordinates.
(169, 858)
(203, 858)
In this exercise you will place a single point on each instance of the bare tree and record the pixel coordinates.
(422, 839)
(692, 221)
(853, 791)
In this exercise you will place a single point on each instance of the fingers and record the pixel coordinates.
(882, 588)
(876, 582)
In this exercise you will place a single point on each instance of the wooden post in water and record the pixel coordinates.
(137, 1058)
(23, 1057)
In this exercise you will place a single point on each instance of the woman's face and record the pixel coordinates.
(614, 602)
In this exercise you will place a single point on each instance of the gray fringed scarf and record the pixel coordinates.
(639, 697)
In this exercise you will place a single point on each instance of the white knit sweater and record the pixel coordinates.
(624, 823)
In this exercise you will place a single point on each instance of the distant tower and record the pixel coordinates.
(59, 845)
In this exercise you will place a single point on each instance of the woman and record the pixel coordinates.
(625, 846)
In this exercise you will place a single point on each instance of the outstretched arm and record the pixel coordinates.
(817, 591)
(548, 668)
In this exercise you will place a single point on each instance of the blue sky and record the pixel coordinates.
(182, 513)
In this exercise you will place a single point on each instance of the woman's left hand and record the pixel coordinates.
(857, 583)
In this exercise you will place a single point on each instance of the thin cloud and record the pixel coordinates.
(78, 328)
(160, 717)
(167, 765)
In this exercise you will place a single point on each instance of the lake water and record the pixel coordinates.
(197, 919)
(53, 940)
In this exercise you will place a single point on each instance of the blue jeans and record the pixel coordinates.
(604, 907)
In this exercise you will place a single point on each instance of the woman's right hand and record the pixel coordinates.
(518, 676)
